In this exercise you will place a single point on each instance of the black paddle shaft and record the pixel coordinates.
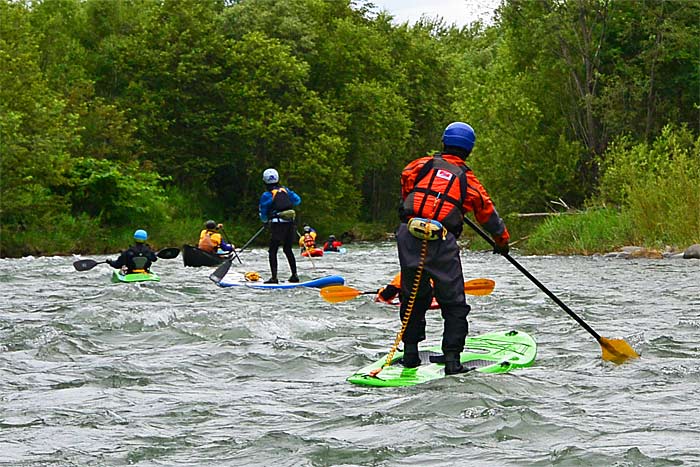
(252, 238)
(233, 249)
(220, 272)
(534, 280)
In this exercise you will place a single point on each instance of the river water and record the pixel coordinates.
(183, 372)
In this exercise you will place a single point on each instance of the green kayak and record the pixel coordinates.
(118, 276)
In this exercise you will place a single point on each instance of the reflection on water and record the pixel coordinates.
(182, 372)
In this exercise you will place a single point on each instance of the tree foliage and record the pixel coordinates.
(106, 108)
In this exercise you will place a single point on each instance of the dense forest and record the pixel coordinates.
(159, 114)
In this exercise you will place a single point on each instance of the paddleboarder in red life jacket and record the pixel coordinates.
(332, 244)
(210, 240)
(276, 209)
(138, 257)
(437, 191)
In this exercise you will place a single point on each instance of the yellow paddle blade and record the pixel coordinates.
(342, 293)
(479, 286)
(617, 350)
(339, 293)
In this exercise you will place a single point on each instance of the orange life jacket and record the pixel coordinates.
(439, 193)
(209, 241)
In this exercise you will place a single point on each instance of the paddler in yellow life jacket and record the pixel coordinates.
(210, 239)
(308, 239)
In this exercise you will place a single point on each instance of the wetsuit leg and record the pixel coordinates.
(409, 257)
(275, 242)
(445, 267)
(287, 248)
(415, 330)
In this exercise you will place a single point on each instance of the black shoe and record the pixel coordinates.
(294, 278)
(453, 365)
(410, 359)
(272, 280)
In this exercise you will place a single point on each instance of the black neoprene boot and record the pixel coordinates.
(410, 359)
(452, 364)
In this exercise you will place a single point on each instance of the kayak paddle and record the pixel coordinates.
(342, 293)
(168, 253)
(220, 272)
(87, 264)
(614, 350)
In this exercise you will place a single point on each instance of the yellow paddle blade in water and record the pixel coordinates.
(617, 350)
(342, 293)
(339, 293)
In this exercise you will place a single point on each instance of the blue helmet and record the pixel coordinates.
(140, 236)
(460, 135)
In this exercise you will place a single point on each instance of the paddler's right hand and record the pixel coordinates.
(501, 249)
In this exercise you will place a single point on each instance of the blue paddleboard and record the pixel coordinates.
(341, 250)
(317, 283)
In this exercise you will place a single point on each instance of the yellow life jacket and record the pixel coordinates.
(209, 241)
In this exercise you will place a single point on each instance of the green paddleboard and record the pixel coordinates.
(495, 352)
(117, 276)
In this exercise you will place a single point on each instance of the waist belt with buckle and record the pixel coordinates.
(426, 229)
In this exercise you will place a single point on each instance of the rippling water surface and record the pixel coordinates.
(182, 372)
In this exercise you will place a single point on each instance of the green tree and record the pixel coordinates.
(601, 68)
(651, 76)
(36, 135)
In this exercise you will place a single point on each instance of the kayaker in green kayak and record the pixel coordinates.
(138, 257)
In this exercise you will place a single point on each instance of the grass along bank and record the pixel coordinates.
(601, 230)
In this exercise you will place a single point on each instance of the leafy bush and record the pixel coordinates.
(657, 185)
(117, 193)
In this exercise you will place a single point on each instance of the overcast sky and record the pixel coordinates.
(461, 12)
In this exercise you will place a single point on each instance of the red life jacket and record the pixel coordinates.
(439, 193)
(309, 241)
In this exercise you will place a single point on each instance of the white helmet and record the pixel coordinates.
(271, 176)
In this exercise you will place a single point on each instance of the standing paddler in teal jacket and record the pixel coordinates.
(276, 209)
